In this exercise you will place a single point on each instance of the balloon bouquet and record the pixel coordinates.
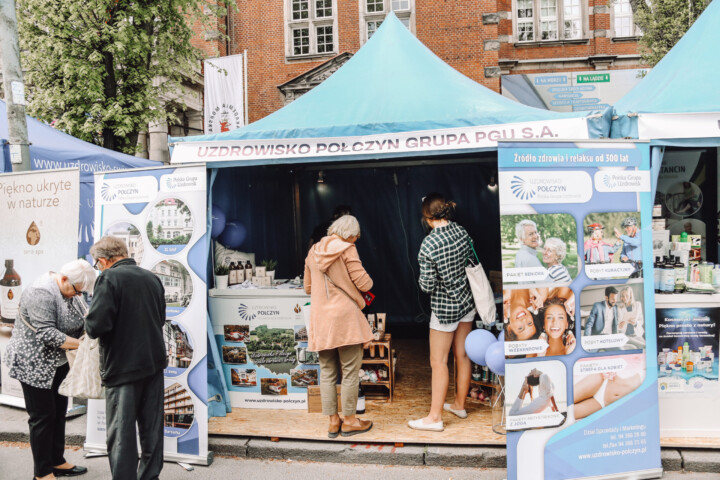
(484, 349)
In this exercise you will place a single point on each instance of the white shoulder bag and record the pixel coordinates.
(481, 291)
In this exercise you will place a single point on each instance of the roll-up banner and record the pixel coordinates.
(39, 214)
(579, 321)
(161, 214)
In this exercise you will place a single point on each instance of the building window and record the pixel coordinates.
(373, 12)
(623, 23)
(310, 27)
(548, 20)
(299, 9)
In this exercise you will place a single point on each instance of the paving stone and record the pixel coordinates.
(336, 452)
(228, 446)
(701, 460)
(465, 456)
(671, 459)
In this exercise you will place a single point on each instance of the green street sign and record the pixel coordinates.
(594, 78)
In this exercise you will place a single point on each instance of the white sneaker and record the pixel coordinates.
(460, 413)
(431, 427)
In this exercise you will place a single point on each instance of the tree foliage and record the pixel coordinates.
(663, 23)
(101, 69)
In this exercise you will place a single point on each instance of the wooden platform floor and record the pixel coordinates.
(411, 401)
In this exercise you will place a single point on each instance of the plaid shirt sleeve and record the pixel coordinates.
(443, 257)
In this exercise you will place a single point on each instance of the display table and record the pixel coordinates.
(688, 398)
(262, 341)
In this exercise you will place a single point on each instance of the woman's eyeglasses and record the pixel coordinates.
(95, 265)
(77, 292)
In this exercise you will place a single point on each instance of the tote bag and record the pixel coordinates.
(481, 291)
(83, 380)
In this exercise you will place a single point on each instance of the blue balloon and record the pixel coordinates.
(218, 222)
(501, 337)
(233, 234)
(495, 358)
(477, 343)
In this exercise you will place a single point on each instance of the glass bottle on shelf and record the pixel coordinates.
(10, 290)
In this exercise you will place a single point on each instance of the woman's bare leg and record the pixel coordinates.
(587, 387)
(585, 408)
(462, 364)
(439, 349)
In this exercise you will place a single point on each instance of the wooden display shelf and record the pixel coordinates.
(483, 383)
(385, 358)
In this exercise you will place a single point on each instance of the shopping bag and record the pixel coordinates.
(83, 380)
(481, 291)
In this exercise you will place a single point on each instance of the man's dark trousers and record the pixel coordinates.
(141, 401)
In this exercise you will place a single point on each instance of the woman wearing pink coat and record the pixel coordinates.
(338, 330)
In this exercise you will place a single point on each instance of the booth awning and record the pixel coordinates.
(679, 98)
(52, 149)
(394, 97)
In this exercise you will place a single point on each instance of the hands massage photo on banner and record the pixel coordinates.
(612, 245)
(540, 399)
(539, 322)
(539, 248)
(612, 317)
(600, 381)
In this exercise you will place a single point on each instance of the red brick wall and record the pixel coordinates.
(453, 30)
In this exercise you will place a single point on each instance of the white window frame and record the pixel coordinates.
(537, 20)
(312, 23)
(635, 30)
(405, 15)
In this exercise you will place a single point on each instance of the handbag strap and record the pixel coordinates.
(472, 247)
(22, 317)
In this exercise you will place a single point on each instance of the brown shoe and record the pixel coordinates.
(333, 432)
(349, 430)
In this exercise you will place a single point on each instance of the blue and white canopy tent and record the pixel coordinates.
(678, 102)
(52, 149)
(377, 105)
(393, 123)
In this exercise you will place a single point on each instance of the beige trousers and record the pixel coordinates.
(350, 360)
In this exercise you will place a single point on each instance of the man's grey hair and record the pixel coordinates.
(80, 272)
(520, 228)
(109, 247)
(345, 227)
(558, 246)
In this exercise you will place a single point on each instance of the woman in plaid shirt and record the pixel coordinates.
(443, 256)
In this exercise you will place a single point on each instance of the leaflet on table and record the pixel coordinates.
(576, 244)
(263, 343)
(688, 350)
(39, 218)
(160, 213)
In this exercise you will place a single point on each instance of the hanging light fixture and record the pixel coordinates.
(321, 177)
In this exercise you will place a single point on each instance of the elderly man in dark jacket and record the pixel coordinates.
(127, 314)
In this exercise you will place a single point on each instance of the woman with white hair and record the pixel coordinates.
(631, 318)
(553, 255)
(338, 330)
(49, 321)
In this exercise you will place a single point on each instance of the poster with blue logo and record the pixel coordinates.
(581, 396)
(160, 213)
(263, 339)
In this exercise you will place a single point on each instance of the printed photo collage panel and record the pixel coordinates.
(542, 255)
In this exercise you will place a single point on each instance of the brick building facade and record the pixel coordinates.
(292, 45)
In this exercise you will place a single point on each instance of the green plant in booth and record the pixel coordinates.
(221, 270)
(269, 264)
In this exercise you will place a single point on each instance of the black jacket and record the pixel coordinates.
(127, 314)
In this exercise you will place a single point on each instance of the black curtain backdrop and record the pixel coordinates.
(386, 201)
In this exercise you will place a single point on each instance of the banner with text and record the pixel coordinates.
(578, 318)
(224, 94)
(678, 125)
(39, 214)
(161, 213)
(462, 138)
(263, 343)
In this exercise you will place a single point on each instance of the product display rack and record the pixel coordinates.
(383, 350)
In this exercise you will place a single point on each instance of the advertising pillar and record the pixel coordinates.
(579, 318)
(161, 215)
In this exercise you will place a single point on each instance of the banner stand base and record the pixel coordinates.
(636, 475)
(95, 450)
(18, 402)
